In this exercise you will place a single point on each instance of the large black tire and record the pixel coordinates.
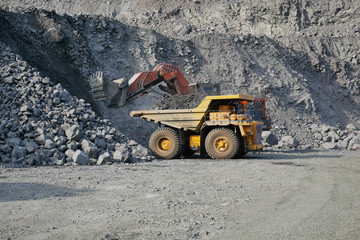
(222, 143)
(165, 143)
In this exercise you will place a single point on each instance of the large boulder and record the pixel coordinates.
(81, 158)
(287, 142)
(89, 148)
(354, 143)
(140, 152)
(103, 158)
(18, 152)
(330, 146)
(122, 155)
(270, 138)
(73, 133)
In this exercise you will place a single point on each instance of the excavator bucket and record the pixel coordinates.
(114, 92)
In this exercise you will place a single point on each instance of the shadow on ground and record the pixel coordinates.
(22, 191)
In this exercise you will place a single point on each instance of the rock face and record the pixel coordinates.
(62, 130)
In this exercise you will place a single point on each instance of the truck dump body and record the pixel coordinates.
(224, 126)
(187, 119)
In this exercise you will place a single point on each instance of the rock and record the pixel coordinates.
(89, 148)
(9, 80)
(100, 143)
(353, 143)
(5, 148)
(30, 159)
(132, 143)
(351, 127)
(18, 152)
(49, 144)
(80, 158)
(355, 147)
(334, 136)
(344, 143)
(31, 146)
(73, 133)
(315, 128)
(270, 138)
(56, 162)
(122, 156)
(41, 139)
(69, 153)
(103, 158)
(325, 128)
(318, 136)
(287, 142)
(330, 146)
(140, 152)
(54, 35)
(12, 142)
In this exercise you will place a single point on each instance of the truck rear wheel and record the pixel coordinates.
(222, 143)
(165, 143)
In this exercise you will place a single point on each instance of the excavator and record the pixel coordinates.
(118, 92)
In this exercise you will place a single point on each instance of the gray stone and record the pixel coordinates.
(49, 144)
(122, 156)
(5, 148)
(334, 136)
(354, 141)
(18, 152)
(287, 142)
(54, 35)
(100, 143)
(318, 136)
(351, 127)
(69, 153)
(330, 146)
(9, 80)
(73, 133)
(103, 158)
(40, 139)
(132, 143)
(12, 142)
(31, 146)
(270, 138)
(89, 148)
(72, 146)
(30, 159)
(325, 128)
(140, 152)
(56, 162)
(80, 158)
(355, 147)
(315, 128)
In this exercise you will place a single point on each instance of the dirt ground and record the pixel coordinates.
(272, 195)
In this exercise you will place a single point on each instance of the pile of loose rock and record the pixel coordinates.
(42, 124)
(320, 137)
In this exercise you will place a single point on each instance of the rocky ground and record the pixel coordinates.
(277, 195)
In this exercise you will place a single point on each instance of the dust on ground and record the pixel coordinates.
(272, 195)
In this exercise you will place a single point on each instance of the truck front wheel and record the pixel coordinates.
(165, 143)
(222, 143)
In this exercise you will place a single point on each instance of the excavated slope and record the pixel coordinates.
(303, 56)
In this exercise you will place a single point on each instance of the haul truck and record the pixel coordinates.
(221, 127)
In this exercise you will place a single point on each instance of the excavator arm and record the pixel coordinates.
(120, 91)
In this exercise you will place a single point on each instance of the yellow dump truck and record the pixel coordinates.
(221, 127)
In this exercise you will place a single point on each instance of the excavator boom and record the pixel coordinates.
(120, 91)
